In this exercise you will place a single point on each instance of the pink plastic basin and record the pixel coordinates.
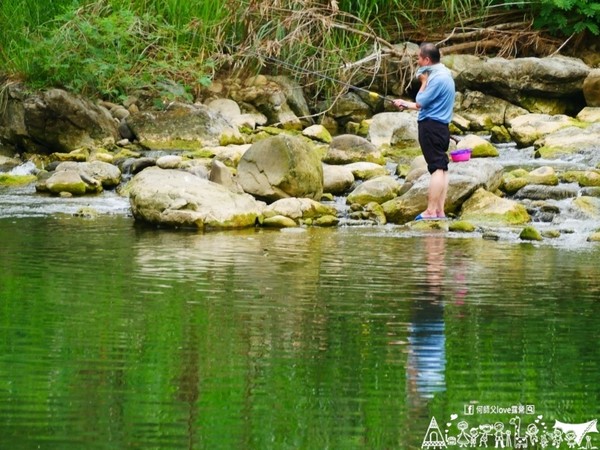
(463, 154)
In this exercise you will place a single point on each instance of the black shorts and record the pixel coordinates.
(434, 139)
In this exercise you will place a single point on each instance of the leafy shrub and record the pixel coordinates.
(568, 17)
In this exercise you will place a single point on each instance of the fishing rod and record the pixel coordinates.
(372, 95)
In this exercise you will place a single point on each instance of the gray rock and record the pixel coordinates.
(179, 199)
(53, 121)
(349, 148)
(279, 167)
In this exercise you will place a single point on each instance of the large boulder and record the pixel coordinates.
(528, 82)
(179, 199)
(394, 128)
(53, 121)
(464, 179)
(108, 175)
(527, 129)
(337, 179)
(281, 166)
(484, 112)
(182, 127)
(486, 207)
(349, 148)
(573, 144)
(378, 190)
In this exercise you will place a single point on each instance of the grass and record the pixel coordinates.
(109, 48)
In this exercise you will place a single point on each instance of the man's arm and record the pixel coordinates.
(402, 104)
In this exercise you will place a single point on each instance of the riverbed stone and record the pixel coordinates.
(281, 166)
(544, 192)
(221, 174)
(575, 143)
(176, 198)
(528, 128)
(485, 207)
(7, 179)
(530, 233)
(181, 127)
(279, 221)
(366, 170)
(68, 181)
(545, 175)
(393, 128)
(349, 148)
(318, 132)
(169, 161)
(480, 147)
(378, 190)
(461, 226)
(8, 163)
(298, 209)
(337, 179)
(105, 174)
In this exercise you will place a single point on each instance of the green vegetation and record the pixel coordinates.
(109, 48)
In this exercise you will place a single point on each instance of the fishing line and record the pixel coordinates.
(372, 95)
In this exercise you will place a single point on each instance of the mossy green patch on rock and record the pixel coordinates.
(279, 221)
(500, 134)
(7, 179)
(484, 206)
(512, 185)
(202, 153)
(172, 144)
(552, 152)
(462, 226)
(530, 234)
(484, 150)
(326, 221)
(552, 106)
(231, 139)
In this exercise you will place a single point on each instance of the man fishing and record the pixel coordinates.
(435, 102)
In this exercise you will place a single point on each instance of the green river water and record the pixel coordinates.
(116, 336)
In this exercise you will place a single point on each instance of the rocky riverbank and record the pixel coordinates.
(249, 152)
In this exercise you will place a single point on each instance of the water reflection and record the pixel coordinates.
(427, 356)
(116, 336)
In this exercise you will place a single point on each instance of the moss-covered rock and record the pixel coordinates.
(326, 221)
(461, 226)
(514, 180)
(480, 147)
(530, 234)
(279, 221)
(500, 134)
(543, 175)
(486, 207)
(7, 179)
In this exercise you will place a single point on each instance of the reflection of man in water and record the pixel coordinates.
(427, 357)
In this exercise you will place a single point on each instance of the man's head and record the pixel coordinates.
(428, 54)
